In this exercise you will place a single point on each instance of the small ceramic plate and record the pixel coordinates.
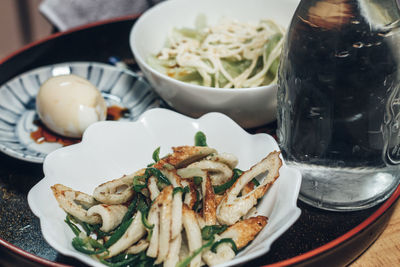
(111, 149)
(119, 87)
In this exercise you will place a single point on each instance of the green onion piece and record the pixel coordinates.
(79, 245)
(156, 155)
(71, 225)
(121, 260)
(197, 180)
(218, 189)
(183, 190)
(96, 229)
(144, 210)
(157, 173)
(131, 210)
(95, 243)
(186, 261)
(209, 231)
(200, 139)
(197, 203)
(118, 233)
(139, 182)
(224, 240)
(255, 182)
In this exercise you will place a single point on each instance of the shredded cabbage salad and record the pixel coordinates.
(230, 54)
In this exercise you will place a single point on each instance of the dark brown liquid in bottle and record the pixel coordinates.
(43, 134)
(338, 83)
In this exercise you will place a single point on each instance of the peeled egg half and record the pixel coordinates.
(68, 104)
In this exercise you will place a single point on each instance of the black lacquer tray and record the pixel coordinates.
(319, 238)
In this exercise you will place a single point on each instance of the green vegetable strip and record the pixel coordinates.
(180, 189)
(80, 246)
(156, 155)
(209, 231)
(255, 182)
(186, 261)
(138, 183)
(218, 189)
(200, 139)
(144, 210)
(131, 210)
(197, 180)
(71, 225)
(224, 240)
(158, 174)
(129, 259)
(118, 233)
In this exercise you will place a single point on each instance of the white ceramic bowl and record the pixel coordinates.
(111, 149)
(250, 107)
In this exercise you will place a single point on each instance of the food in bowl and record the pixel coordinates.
(181, 209)
(68, 104)
(230, 54)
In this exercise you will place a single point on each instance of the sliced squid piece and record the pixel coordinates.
(153, 188)
(111, 215)
(138, 247)
(218, 199)
(219, 172)
(209, 204)
(226, 158)
(193, 234)
(232, 207)
(184, 155)
(132, 235)
(224, 253)
(190, 172)
(117, 191)
(173, 254)
(154, 219)
(75, 203)
(245, 231)
(176, 224)
(191, 197)
(165, 204)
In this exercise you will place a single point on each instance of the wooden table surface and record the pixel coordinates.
(385, 251)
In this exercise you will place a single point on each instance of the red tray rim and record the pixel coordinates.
(298, 259)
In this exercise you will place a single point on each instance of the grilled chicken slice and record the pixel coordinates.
(133, 234)
(75, 203)
(232, 207)
(111, 215)
(117, 191)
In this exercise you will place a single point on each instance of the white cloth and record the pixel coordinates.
(66, 14)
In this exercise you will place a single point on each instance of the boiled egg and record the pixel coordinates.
(68, 104)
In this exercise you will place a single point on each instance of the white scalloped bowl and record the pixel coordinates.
(249, 107)
(111, 149)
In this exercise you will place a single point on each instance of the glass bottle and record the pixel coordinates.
(338, 101)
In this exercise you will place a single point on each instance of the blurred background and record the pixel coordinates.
(21, 23)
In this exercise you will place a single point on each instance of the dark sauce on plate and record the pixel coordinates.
(44, 134)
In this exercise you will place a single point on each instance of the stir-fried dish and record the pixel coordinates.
(192, 207)
(230, 54)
